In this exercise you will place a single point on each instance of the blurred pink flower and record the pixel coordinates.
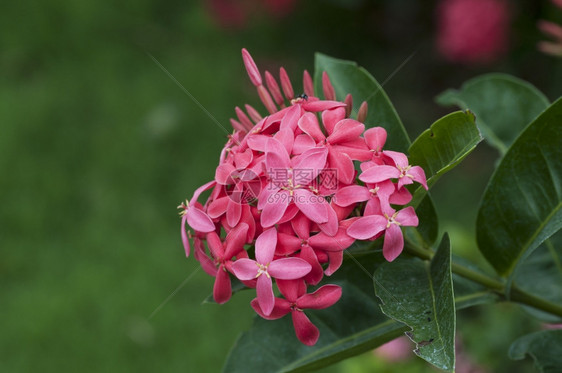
(236, 14)
(473, 31)
(398, 349)
(554, 31)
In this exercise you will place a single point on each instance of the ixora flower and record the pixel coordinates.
(287, 199)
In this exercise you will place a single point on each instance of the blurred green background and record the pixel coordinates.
(98, 146)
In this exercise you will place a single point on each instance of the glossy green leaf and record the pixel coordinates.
(521, 205)
(545, 347)
(425, 234)
(541, 275)
(503, 105)
(421, 296)
(347, 77)
(442, 146)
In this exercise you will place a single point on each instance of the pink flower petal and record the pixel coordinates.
(274, 208)
(287, 138)
(222, 290)
(377, 174)
(344, 166)
(277, 163)
(291, 289)
(223, 173)
(242, 160)
(280, 309)
(301, 226)
(267, 194)
(218, 207)
(291, 118)
(206, 263)
(336, 260)
(324, 297)
(418, 175)
(287, 244)
(233, 213)
(244, 269)
(291, 211)
(373, 207)
(308, 123)
(407, 217)
(302, 143)
(265, 246)
(264, 290)
(305, 330)
(338, 242)
(375, 138)
(289, 268)
(331, 226)
(321, 105)
(199, 221)
(367, 227)
(184, 239)
(311, 206)
(309, 164)
(399, 159)
(258, 142)
(400, 197)
(316, 273)
(235, 239)
(393, 242)
(331, 117)
(357, 149)
(215, 245)
(346, 130)
(351, 194)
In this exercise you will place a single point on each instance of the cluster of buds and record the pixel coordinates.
(287, 199)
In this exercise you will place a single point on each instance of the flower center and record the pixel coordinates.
(262, 269)
(392, 220)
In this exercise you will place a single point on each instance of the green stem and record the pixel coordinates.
(497, 286)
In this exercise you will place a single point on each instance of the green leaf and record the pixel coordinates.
(442, 146)
(347, 77)
(353, 325)
(541, 275)
(521, 205)
(545, 347)
(425, 234)
(421, 296)
(503, 105)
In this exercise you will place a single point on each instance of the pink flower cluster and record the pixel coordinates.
(287, 199)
